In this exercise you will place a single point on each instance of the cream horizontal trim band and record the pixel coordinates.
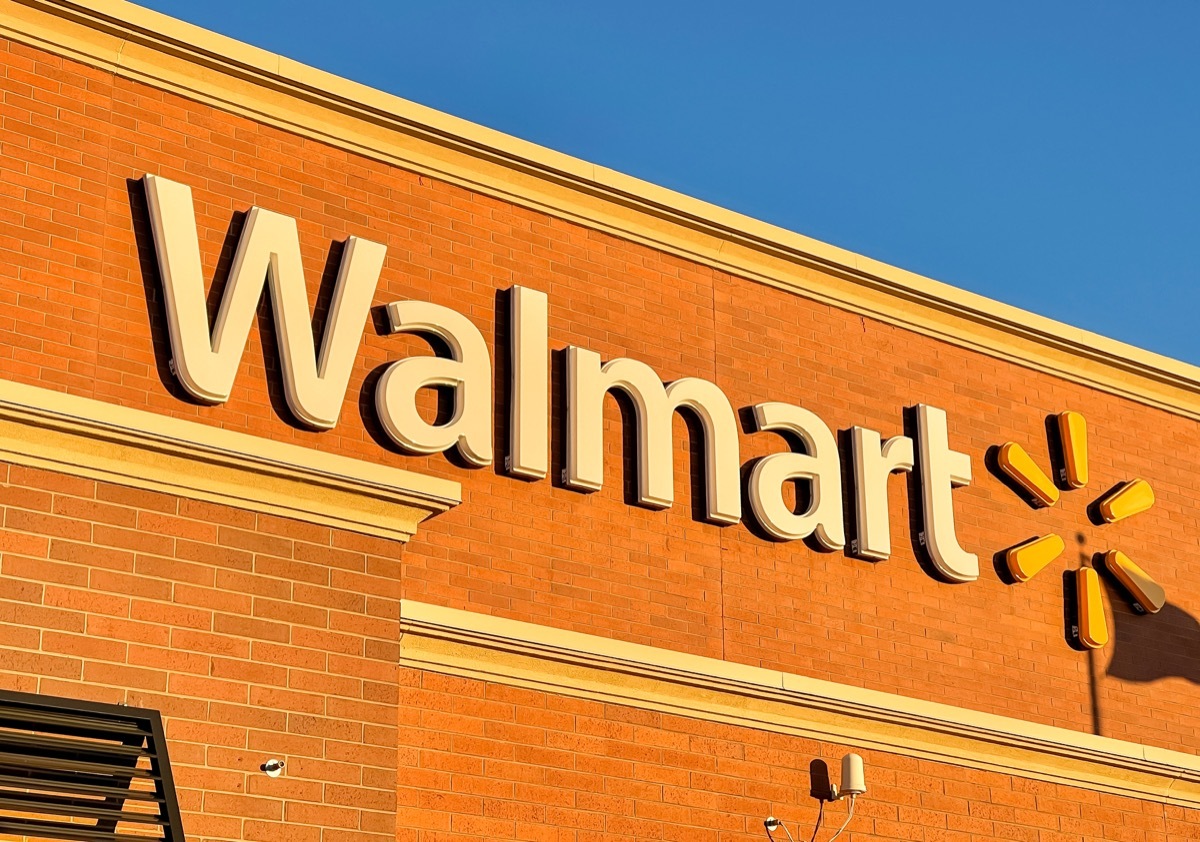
(447, 640)
(161, 51)
(87, 438)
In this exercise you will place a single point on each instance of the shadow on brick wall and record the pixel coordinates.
(1155, 646)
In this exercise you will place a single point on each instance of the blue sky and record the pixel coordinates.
(1043, 154)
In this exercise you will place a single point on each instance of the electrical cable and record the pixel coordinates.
(820, 815)
(777, 823)
(849, 816)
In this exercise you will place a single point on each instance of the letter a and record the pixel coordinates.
(468, 371)
(819, 466)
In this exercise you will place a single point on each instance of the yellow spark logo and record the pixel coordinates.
(1026, 560)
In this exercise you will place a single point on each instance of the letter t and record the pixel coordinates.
(942, 469)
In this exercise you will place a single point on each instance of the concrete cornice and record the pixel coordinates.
(463, 643)
(169, 54)
(87, 438)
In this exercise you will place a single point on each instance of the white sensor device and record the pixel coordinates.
(854, 779)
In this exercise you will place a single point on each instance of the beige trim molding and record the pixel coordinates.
(149, 47)
(447, 640)
(87, 438)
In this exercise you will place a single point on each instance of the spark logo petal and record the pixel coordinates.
(1026, 560)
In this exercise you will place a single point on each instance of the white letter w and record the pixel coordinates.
(269, 247)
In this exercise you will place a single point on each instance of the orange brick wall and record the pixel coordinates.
(483, 761)
(256, 637)
(240, 626)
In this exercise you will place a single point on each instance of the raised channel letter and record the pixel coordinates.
(588, 382)
(268, 249)
(818, 465)
(874, 461)
(942, 470)
(468, 372)
(529, 405)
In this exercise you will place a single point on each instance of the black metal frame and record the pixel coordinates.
(81, 761)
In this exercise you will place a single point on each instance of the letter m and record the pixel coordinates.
(588, 382)
(269, 248)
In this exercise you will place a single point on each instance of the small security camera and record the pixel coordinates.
(273, 768)
(771, 823)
